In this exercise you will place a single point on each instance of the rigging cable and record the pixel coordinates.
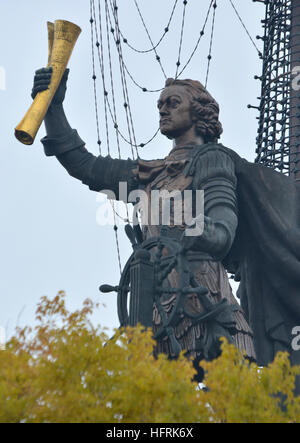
(130, 124)
(117, 241)
(109, 106)
(117, 43)
(181, 37)
(128, 119)
(121, 58)
(94, 77)
(166, 30)
(244, 26)
(150, 39)
(124, 67)
(117, 133)
(144, 89)
(202, 32)
(112, 87)
(113, 95)
(99, 44)
(211, 43)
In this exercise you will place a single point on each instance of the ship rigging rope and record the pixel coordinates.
(245, 27)
(181, 38)
(130, 125)
(110, 107)
(94, 77)
(128, 113)
(145, 89)
(117, 43)
(202, 32)
(209, 57)
(112, 84)
(150, 39)
(166, 30)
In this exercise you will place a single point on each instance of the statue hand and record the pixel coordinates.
(196, 230)
(42, 80)
(208, 236)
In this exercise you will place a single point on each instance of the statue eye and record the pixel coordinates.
(174, 103)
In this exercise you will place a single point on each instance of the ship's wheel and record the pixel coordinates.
(160, 256)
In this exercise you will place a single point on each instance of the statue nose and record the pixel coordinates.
(163, 111)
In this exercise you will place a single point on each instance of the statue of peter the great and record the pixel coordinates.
(250, 227)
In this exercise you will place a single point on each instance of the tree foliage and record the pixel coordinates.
(67, 370)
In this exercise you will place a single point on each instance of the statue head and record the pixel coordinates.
(186, 105)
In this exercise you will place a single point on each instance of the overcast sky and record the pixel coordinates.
(50, 239)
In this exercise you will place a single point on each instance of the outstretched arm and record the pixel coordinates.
(99, 173)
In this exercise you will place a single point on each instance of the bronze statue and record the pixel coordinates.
(249, 227)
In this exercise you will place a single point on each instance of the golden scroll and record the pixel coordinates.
(62, 36)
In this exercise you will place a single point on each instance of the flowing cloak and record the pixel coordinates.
(266, 255)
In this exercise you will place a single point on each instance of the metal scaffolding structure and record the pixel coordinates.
(278, 110)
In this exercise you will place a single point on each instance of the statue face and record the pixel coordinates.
(175, 112)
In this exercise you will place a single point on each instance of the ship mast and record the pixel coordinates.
(278, 139)
(295, 91)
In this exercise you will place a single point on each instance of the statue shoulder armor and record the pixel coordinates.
(210, 162)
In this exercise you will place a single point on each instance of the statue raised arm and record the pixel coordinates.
(99, 173)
